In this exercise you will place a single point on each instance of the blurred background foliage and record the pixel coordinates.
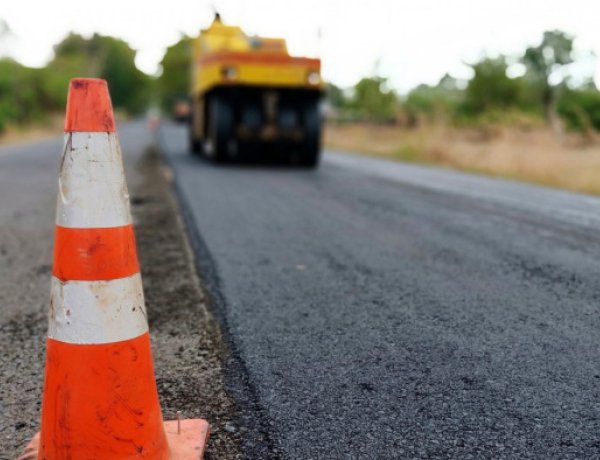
(29, 94)
(541, 91)
(174, 82)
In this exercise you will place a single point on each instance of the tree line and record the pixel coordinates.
(545, 91)
(28, 94)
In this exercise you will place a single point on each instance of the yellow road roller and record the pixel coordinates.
(249, 97)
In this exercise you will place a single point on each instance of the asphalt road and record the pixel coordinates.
(380, 310)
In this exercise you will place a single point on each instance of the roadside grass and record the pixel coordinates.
(50, 126)
(533, 154)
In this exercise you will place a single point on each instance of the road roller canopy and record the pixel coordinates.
(221, 37)
(224, 55)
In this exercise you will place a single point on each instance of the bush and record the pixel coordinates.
(491, 89)
(432, 102)
(580, 108)
(20, 94)
(28, 94)
(175, 80)
(373, 100)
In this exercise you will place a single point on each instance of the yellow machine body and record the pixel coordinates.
(249, 97)
(224, 55)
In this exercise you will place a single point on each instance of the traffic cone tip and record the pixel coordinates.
(89, 108)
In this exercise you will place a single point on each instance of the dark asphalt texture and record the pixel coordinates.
(382, 310)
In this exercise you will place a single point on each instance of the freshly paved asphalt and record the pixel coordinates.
(380, 310)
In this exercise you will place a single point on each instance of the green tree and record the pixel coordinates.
(27, 94)
(129, 86)
(374, 100)
(102, 57)
(175, 80)
(72, 58)
(545, 64)
(20, 93)
(580, 107)
(336, 97)
(491, 89)
(439, 101)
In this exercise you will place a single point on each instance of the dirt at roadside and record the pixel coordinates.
(532, 154)
(186, 342)
(189, 355)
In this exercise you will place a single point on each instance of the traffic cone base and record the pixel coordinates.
(100, 399)
(106, 395)
(186, 439)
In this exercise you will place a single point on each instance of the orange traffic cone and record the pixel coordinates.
(100, 399)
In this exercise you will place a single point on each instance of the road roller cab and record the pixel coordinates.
(250, 97)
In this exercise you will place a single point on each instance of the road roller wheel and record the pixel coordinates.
(220, 143)
(311, 148)
(195, 145)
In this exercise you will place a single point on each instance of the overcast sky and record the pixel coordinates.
(412, 41)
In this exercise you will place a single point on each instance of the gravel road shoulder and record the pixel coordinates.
(188, 353)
